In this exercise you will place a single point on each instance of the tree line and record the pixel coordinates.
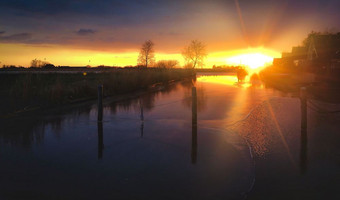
(193, 54)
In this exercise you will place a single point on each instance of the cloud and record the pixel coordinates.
(170, 23)
(37, 6)
(20, 37)
(57, 7)
(84, 32)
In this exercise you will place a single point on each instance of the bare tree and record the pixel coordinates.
(194, 54)
(146, 54)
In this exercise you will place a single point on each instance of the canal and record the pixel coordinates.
(247, 145)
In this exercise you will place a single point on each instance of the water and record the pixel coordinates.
(247, 145)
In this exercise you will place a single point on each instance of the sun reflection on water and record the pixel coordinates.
(247, 114)
(224, 80)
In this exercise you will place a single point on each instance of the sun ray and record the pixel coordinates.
(283, 139)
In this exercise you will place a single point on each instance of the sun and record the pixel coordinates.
(251, 60)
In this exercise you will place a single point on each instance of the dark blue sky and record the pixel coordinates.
(114, 25)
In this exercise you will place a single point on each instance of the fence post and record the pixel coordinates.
(100, 103)
(194, 127)
(303, 140)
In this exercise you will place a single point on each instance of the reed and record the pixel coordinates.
(62, 88)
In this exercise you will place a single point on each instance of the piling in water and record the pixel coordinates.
(303, 99)
(100, 103)
(303, 140)
(100, 140)
(194, 127)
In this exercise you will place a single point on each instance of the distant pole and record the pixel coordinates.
(100, 103)
(303, 140)
(194, 127)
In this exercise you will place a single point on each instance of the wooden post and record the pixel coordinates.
(303, 140)
(194, 127)
(303, 99)
(141, 118)
(100, 103)
(100, 140)
(141, 110)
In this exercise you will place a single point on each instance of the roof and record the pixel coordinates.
(300, 52)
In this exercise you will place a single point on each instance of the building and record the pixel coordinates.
(323, 56)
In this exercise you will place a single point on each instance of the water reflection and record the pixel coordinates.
(303, 151)
(100, 140)
(257, 129)
(141, 118)
(231, 118)
(146, 102)
(24, 131)
(255, 80)
(303, 139)
(194, 127)
(32, 128)
(142, 129)
(201, 97)
(250, 112)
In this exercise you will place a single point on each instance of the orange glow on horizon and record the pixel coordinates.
(21, 55)
(251, 60)
(253, 57)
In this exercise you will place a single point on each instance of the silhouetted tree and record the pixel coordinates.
(313, 34)
(146, 54)
(194, 54)
(307, 40)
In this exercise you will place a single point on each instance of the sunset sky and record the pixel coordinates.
(110, 32)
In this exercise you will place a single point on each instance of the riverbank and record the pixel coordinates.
(288, 82)
(22, 92)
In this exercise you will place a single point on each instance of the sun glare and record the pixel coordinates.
(251, 60)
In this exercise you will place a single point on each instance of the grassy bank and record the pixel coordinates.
(282, 82)
(18, 90)
(291, 81)
(285, 79)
